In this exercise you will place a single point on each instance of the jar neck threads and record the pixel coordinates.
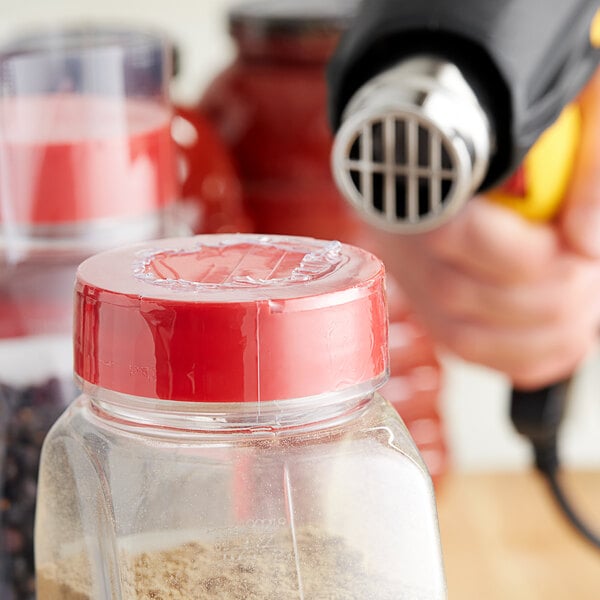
(132, 413)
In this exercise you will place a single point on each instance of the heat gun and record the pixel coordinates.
(433, 101)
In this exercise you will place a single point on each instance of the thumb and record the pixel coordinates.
(581, 213)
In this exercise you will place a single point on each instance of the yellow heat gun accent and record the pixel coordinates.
(549, 165)
(548, 168)
(595, 31)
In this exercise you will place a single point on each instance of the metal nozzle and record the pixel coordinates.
(413, 147)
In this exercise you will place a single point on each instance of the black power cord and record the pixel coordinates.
(537, 415)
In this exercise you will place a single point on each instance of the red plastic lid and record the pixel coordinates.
(231, 318)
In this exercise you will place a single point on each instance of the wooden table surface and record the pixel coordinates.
(504, 539)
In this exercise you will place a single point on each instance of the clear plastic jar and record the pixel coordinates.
(230, 442)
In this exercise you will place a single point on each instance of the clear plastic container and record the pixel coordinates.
(230, 442)
(86, 162)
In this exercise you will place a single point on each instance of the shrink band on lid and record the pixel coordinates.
(231, 318)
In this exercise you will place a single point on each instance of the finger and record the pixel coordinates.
(410, 346)
(559, 367)
(571, 283)
(581, 213)
(494, 243)
(529, 357)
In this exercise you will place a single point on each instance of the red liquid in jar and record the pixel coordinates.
(69, 158)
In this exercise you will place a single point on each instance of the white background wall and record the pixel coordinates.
(475, 400)
(198, 26)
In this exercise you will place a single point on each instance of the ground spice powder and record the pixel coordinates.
(309, 566)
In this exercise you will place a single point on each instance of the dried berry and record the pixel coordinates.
(26, 415)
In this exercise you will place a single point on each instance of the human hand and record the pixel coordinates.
(519, 297)
(580, 218)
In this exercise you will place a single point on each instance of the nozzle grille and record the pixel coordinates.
(397, 169)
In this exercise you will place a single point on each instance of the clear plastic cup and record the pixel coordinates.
(86, 162)
(85, 146)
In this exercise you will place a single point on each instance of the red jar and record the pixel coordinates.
(211, 194)
(269, 107)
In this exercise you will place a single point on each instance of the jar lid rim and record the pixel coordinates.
(286, 17)
(231, 317)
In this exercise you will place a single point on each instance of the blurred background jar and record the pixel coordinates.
(87, 162)
(269, 107)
